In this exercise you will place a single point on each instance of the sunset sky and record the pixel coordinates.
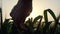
(38, 7)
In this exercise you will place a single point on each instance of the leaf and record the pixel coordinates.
(51, 12)
(37, 18)
(38, 27)
(6, 26)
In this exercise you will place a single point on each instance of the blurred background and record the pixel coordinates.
(38, 7)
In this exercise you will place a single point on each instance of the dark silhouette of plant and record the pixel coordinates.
(0, 18)
(46, 18)
(20, 12)
(0, 10)
(1, 14)
(9, 27)
(30, 24)
(52, 31)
